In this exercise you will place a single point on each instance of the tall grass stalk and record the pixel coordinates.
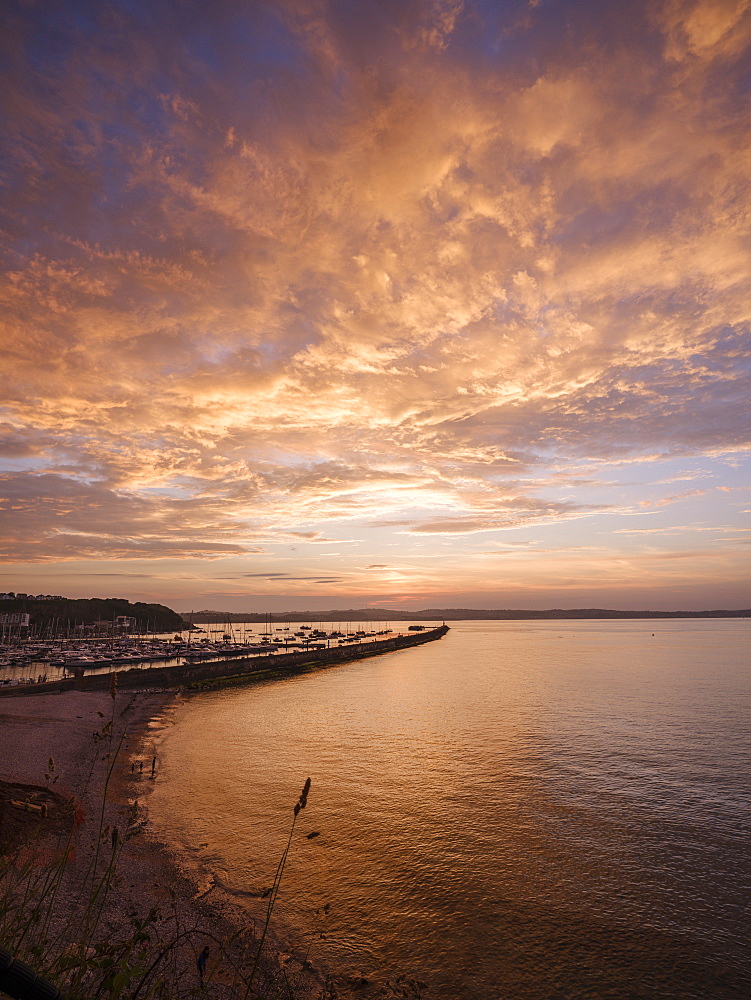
(299, 805)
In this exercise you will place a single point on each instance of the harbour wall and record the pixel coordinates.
(226, 672)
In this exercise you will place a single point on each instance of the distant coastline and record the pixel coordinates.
(444, 614)
(47, 616)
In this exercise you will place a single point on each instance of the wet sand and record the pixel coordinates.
(34, 728)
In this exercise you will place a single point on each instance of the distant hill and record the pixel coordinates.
(59, 614)
(443, 614)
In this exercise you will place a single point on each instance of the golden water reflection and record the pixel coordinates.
(511, 809)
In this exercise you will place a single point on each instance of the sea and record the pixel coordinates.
(522, 810)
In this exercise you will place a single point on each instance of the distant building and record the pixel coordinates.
(123, 621)
(18, 618)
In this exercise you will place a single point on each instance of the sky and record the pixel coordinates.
(315, 304)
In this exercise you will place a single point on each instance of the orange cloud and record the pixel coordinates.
(362, 272)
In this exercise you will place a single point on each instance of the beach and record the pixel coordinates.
(89, 735)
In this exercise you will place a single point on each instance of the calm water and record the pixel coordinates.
(525, 810)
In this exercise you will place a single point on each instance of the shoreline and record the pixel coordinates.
(149, 872)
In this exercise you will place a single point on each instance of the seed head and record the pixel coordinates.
(303, 800)
(304, 794)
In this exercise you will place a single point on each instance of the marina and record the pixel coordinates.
(27, 662)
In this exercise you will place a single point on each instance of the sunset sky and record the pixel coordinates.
(331, 303)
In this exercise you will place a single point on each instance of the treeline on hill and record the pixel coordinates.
(443, 614)
(60, 614)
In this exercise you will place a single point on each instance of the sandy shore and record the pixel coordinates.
(63, 726)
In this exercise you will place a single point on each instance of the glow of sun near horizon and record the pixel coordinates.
(326, 303)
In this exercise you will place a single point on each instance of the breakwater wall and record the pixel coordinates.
(225, 672)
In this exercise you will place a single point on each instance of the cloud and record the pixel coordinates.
(464, 525)
(704, 29)
(52, 517)
(282, 267)
(676, 498)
